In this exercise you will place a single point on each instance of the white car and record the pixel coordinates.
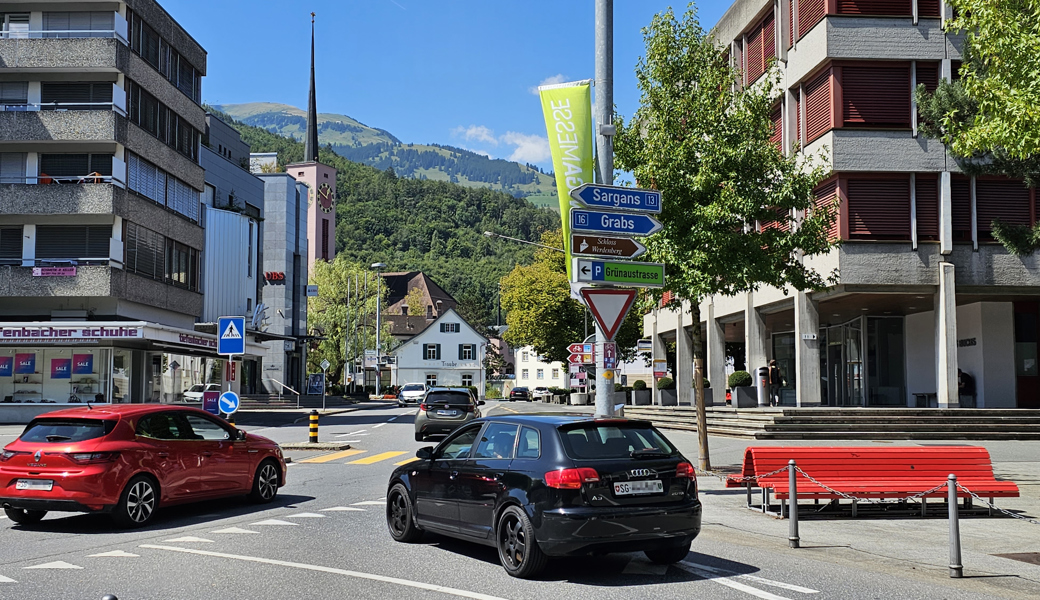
(411, 393)
(194, 393)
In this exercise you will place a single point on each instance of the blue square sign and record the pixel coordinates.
(231, 335)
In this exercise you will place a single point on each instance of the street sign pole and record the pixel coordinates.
(231, 341)
(604, 157)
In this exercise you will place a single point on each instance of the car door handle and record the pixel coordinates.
(163, 454)
(252, 451)
(453, 475)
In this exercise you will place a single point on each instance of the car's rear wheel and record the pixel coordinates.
(137, 503)
(24, 516)
(667, 556)
(419, 437)
(265, 483)
(517, 549)
(400, 519)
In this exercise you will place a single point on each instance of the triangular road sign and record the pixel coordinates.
(231, 333)
(609, 307)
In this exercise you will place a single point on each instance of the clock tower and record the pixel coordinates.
(321, 181)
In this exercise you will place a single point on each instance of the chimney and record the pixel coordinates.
(439, 308)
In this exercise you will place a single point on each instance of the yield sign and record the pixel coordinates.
(609, 307)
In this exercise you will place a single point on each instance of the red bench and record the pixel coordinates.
(872, 473)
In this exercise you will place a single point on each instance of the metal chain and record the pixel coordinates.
(722, 477)
(870, 500)
(996, 508)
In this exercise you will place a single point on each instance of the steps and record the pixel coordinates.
(850, 423)
(274, 402)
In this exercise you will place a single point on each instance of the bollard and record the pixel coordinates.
(109, 597)
(231, 419)
(314, 427)
(792, 505)
(956, 568)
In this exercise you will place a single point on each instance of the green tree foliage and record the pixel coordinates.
(541, 312)
(705, 144)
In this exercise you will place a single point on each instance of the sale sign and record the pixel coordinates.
(6, 366)
(82, 364)
(25, 363)
(61, 368)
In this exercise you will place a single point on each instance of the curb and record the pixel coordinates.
(314, 446)
(329, 412)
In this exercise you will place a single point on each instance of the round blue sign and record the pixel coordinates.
(228, 402)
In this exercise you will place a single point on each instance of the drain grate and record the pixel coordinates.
(1032, 558)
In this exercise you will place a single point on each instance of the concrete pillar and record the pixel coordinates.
(807, 350)
(716, 337)
(946, 338)
(756, 339)
(659, 352)
(683, 360)
(29, 245)
(945, 213)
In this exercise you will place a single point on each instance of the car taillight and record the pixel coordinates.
(570, 479)
(685, 470)
(468, 408)
(9, 454)
(89, 458)
(424, 407)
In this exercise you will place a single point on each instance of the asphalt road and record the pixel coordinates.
(325, 537)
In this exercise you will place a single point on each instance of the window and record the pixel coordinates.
(540, 374)
(429, 313)
(182, 263)
(12, 167)
(761, 47)
(528, 445)
(525, 356)
(555, 373)
(156, 118)
(73, 242)
(431, 380)
(155, 184)
(960, 208)
(164, 426)
(325, 239)
(164, 58)
(206, 429)
(249, 253)
(497, 441)
(879, 208)
(14, 95)
(926, 200)
(777, 117)
(450, 327)
(876, 95)
(11, 245)
(524, 374)
(74, 95)
(613, 441)
(467, 380)
(78, 24)
(432, 351)
(43, 431)
(467, 351)
(888, 8)
(826, 195)
(1005, 200)
(818, 106)
(145, 252)
(459, 446)
(15, 26)
(810, 12)
(73, 167)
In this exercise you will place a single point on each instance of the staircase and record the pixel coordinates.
(850, 423)
(289, 401)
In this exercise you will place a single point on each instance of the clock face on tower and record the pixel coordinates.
(325, 197)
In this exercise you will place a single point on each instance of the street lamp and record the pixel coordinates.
(506, 237)
(377, 266)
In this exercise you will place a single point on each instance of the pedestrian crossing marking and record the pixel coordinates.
(113, 554)
(274, 522)
(307, 515)
(58, 564)
(369, 503)
(342, 509)
(331, 457)
(375, 458)
(6, 580)
(405, 462)
(231, 333)
(191, 538)
(234, 530)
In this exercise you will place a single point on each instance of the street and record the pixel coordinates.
(325, 537)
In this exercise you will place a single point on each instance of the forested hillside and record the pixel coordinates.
(422, 225)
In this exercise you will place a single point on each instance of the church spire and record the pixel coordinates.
(311, 147)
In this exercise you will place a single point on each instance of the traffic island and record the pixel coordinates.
(314, 446)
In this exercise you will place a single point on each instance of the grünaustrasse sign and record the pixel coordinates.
(47, 333)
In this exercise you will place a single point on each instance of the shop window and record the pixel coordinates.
(876, 95)
(926, 199)
(1005, 200)
(81, 243)
(879, 208)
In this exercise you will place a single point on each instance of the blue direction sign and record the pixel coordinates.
(228, 402)
(231, 335)
(595, 195)
(601, 221)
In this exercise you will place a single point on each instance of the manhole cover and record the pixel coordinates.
(1032, 558)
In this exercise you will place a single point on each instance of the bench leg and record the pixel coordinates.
(765, 500)
(854, 505)
(749, 494)
(783, 509)
(990, 507)
(924, 507)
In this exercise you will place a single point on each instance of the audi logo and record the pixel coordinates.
(642, 472)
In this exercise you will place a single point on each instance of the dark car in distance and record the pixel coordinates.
(535, 486)
(520, 393)
(443, 410)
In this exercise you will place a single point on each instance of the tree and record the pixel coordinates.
(415, 300)
(704, 143)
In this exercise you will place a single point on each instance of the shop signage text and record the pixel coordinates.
(51, 333)
(54, 271)
(196, 340)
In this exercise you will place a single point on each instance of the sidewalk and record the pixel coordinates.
(891, 544)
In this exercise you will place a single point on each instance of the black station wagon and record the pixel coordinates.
(535, 486)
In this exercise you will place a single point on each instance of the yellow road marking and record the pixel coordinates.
(405, 462)
(331, 457)
(374, 458)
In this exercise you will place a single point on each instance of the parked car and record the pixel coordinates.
(194, 393)
(411, 393)
(535, 486)
(130, 459)
(519, 393)
(443, 410)
(540, 393)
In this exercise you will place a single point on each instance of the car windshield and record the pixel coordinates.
(412, 387)
(196, 388)
(55, 431)
(448, 398)
(614, 440)
(520, 389)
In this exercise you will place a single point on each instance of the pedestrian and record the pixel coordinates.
(775, 381)
(965, 389)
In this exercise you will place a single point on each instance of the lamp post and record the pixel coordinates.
(377, 266)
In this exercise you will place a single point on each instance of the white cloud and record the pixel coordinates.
(476, 132)
(476, 151)
(529, 148)
(558, 78)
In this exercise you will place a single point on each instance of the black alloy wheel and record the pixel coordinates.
(24, 516)
(399, 516)
(265, 483)
(517, 549)
(137, 503)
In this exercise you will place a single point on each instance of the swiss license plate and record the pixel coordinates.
(34, 484)
(651, 486)
(446, 413)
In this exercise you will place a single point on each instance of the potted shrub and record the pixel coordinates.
(640, 395)
(744, 395)
(666, 387)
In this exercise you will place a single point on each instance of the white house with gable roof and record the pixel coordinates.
(448, 352)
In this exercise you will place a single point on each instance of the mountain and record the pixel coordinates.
(378, 148)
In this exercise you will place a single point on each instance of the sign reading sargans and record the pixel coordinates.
(45, 333)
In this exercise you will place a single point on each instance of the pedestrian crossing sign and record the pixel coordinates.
(231, 335)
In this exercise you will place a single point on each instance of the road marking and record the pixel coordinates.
(391, 419)
(58, 564)
(378, 426)
(370, 503)
(234, 530)
(275, 522)
(729, 582)
(319, 568)
(306, 516)
(342, 508)
(2, 517)
(113, 554)
(331, 457)
(6, 580)
(190, 538)
(763, 581)
(405, 462)
(368, 460)
(349, 441)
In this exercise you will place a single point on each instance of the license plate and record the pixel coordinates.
(651, 486)
(446, 413)
(34, 484)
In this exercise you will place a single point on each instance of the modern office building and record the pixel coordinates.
(923, 289)
(100, 182)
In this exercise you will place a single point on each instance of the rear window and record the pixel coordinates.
(520, 389)
(412, 387)
(59, 431)
(448, 398)
(594, 440)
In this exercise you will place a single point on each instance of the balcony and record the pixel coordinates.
(72, 55)
(91, 195)
(74, 126)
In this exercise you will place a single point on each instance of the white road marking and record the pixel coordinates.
(190, 538)
(234, 530)
(342, 508)
(369, 503)
(391, 419)
(2, 517)
(378, 426)
(763, 581)
(638, 566)
(113, 554)
(306, 516)
(321, 569)
(729, 582)
(6, 580)
(58, 564)
(275, 522)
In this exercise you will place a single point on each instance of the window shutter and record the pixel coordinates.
(791, 36)
(961, 208)
(928, 74)
(768, 39)
(888, 8)
(928, 8)
(777, 117)
(825, 197)
(754, 54)
(14, 92)
(876, 96)
(12, 167)
(1006, 200)
(442, 327)
(810, 12)
(798, 117)
(782, 221)
(11, 244)
(461, 347)
(818, 106)
(879, 209)
(55, 21)
(73, 242)
(927, 201)
(438, 350)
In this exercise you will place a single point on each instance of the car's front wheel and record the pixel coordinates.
(419, 437)
(24, 516)
(667, 556)
(265, 483)
(400, 519)
(517, 549)
(137, 503)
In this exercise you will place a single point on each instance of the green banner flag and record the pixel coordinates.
(568, 120)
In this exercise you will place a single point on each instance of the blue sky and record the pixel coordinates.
(458, 72)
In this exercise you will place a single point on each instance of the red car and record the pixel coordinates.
(130, 459)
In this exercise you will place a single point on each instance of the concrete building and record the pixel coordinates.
(923, 288)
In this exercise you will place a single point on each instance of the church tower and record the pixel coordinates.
(321, 179)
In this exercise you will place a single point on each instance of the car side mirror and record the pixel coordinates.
(480, 403)
(424, 453)
(240, 434)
